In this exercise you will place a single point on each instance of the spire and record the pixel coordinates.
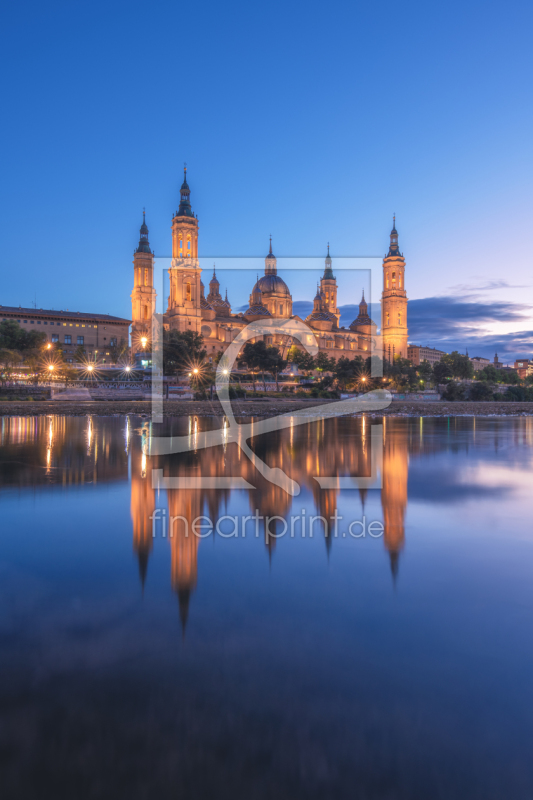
(144, 245)
(271, 267)
(214, 280)
(394, 250)
(185, 195)
(328, 272)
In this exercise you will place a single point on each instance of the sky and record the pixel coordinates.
(310, 122)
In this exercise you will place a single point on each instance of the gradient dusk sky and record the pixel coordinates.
(311, 121)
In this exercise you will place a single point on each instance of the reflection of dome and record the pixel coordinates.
(272, 283)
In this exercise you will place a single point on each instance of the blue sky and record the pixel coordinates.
(314, 123)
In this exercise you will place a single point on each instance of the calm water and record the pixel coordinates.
(266, 666)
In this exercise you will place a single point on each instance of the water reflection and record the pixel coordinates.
(48, 451)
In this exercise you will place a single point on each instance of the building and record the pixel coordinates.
(190, 309)
(418, 353)
(524, 367)
(479, 362)
(96, 333)
(394, 301)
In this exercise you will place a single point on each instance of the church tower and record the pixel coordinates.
(184, 310)
(394, 301)
(328, 287)
(143, 295)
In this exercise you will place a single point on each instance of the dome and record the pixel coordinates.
(322, 316)
(272, 283)
(257, 311)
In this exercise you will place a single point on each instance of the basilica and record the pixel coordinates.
(191, 309)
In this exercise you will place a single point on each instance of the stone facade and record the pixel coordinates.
(211, 316)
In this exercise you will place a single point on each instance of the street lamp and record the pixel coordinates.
(90, 368)
(128, 369)
(143, 341)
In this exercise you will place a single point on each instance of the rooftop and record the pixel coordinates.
(40, 312)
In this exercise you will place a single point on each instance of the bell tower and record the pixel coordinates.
(184, 311)
(394, 301)
(143, 295)
(328, 287)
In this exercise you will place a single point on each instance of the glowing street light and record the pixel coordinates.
(128, 369)
(90, 368)
(143, 341)
(51, 367)
(224, 371)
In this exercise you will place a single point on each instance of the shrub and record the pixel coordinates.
(481, 390)
(454, 391)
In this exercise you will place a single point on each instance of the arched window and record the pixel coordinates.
(188, 291)
(281, 308)
(387, 318)
(146, 276)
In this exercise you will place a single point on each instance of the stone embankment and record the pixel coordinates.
(254, 408)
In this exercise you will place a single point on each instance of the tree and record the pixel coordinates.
(425, 370)
(454, 391)
(13, 337)
(460, 365)
(324, 363)
(8, 360)
(255, 356)
(276, 363)
(512, 377)
(305, 362)
(481, 390)
(182, 351)
(119, 351)
(442, 371)
(488, 373)
(80, 354)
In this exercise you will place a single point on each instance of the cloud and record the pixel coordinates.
(457, 323)
(476, 289)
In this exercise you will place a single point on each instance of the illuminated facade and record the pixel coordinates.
(189, 309)
(394, 301)
(95, 333)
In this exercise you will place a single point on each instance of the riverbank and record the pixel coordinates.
(254, 408)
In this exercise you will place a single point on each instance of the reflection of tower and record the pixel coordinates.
(183, 509)
(394, 301)
(142, 503)
(143, 295)
(184, 305)
(394, 491)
